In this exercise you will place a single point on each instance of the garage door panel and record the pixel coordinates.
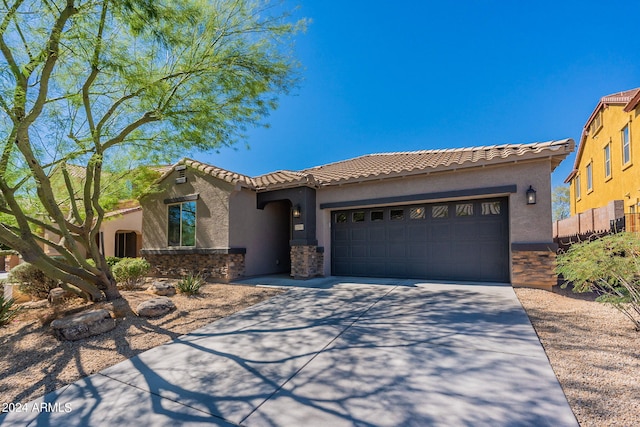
(378, 251)
(359, 234)
(359, 269)
(396, 233)
(397, 250)
(417, 229)
(377, 234)
(359, 251)
(377, 269)
(467, 230)
(417, 251)
(440, 231)
(462, 240)
(340, 251)
(489, 229)
(397, 269)
(340, 235)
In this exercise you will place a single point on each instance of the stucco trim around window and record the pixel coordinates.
(187, 198)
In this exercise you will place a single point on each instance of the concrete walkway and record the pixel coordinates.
(382, 353)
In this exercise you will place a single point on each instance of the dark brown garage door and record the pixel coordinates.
(462, 240)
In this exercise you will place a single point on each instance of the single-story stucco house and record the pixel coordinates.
(474, 214)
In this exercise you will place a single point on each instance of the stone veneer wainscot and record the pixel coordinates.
(219, 264)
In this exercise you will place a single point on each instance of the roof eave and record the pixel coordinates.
(557, 152)
(633, 103)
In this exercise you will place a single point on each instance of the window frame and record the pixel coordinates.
(578, 187)
(625, 139)
(607, 162)
(596, 123)
(589, 173)
(181, 224)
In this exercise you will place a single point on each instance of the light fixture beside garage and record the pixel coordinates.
(296, 212)
(531, 196)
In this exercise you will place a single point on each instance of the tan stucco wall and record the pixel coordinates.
(264, 233)
(528, 223)
(212, 211)
(131, 221)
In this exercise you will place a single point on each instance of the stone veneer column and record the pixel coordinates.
(533, 265)
(306, 261)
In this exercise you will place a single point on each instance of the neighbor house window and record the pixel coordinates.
(626, 145)
(596, 124)
(589, 177)
(182, 224)
(578, 189)
(607, 161)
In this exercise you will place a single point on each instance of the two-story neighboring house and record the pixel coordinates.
(607, 165)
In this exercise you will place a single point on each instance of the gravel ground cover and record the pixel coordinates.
(594, 351)
(33, 362)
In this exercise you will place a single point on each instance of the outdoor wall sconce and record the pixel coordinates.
(296, 212)
(531, 196)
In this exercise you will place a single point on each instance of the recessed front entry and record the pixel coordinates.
(461, 240)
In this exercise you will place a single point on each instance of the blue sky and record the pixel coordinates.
(409, 75)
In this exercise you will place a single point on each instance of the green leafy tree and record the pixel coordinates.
(110, 85)
(609, 266)
(560, 202)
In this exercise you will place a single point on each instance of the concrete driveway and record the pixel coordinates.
(369, 353)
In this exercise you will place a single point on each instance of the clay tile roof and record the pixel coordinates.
(76, 171)
(122, 211)
(161, 169)
(415, 162)
(282, 178)
(223, 174)
(387, 165)
(620, 97)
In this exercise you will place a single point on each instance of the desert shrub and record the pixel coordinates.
(31, 280)
(128, 272)
(190, 284)
(112, 260)
(8, 310)
(609, 266)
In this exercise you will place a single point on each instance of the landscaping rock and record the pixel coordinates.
(57, 296)
(32, 305)
(83, 325)
(155, 307)
(162, 289)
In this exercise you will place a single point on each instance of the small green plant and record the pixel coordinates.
(190, 284)
(8, 310)
(112, 260)
(31, 280)
(609, 266)
(128, 272)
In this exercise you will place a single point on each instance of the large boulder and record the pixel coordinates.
(162, 289)
(155, 307)
(83, 325)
